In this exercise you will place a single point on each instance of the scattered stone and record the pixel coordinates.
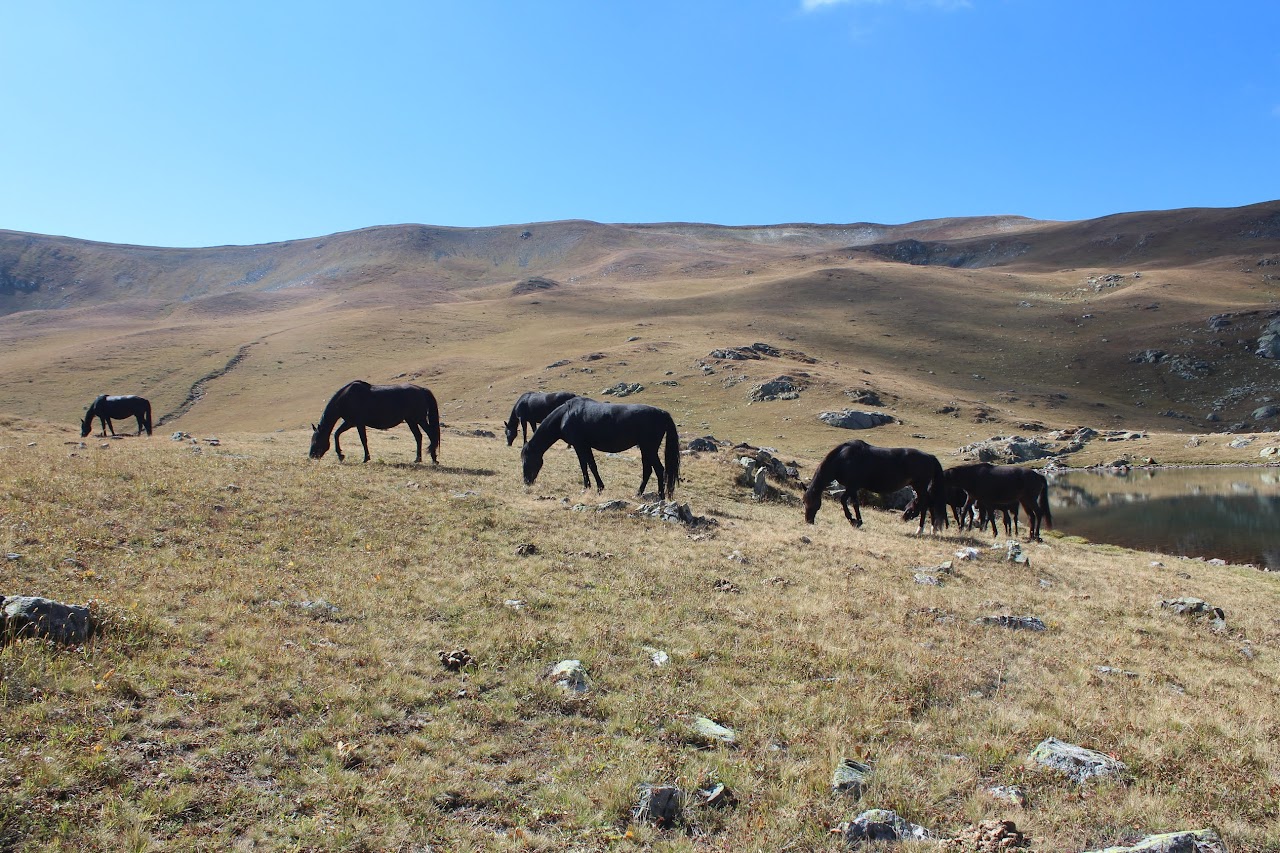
(1193, 841)
(1110, 670)
(989, 836)
(25, 616)
(526, 549)
(623, 389)
(713, 733)
(1078, 763)
(1017, 623)
(13, 558)
(967, 553)
(570, 676)
(780, 388)
(777, 580)
(850, 777)
(726, 585)
(864, 397)
(658, 656)
(456, 660)
(1265, 412)
(1238, 443)
(927, 579)
(320, 609)
(1269, 341)
(1013, 554)
(1009, 450)
(852, 419)
(1269, 451)
(674, 512)
(705, 444)
(515, 603)
(613, 505)
(1009, 793)
(715, 795)
(180, 436)
(1197, 608)
(661, 805)
(878, 825)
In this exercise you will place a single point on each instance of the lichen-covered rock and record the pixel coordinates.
(712, 732)
(1193, 841)
(1078, 763)
(850, 777)
(42, 618)
(852, 419)
(570, 676)
(780, 388)
(1017, 623)
(878, 825)
(1197, 609)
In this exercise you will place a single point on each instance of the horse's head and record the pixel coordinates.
(812, 503)
(511, 428)
(531, 463)
(319, 443)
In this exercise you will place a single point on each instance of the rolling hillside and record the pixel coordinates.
(997, 320)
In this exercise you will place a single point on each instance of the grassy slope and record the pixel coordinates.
(274, 728)
(214, 712)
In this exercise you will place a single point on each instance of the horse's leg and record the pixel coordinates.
(337, 448)
(364, 440)
(587, 460)
(844, 503)
(417, 436)
(139, 417)
(1033, 523)
(646, 468)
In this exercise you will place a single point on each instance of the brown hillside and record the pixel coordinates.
(1002, 320)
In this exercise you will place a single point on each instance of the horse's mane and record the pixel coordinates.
(822, 475)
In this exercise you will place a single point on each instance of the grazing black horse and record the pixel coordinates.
(999, 486)
(106, 409)
(613, 428)
(858, 465)
(359, 404)
(532, 409)
(957, 499)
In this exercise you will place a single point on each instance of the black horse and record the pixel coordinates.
(587, 425)
(957, 499)
(532, 409)
(359, 404)
(999, 486)
(858, 465)
(106, 409)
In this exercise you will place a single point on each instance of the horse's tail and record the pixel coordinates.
(672, 457)
(433, 425)
(1043, 505)
(146, 415)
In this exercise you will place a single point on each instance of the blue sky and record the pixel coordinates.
(208, 123)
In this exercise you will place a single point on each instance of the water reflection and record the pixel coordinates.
(1229, 513)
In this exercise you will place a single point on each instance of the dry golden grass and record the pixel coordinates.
(215, 713)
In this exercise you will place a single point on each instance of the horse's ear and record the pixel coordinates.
(314, 427)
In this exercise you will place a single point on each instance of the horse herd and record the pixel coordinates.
(587, 425)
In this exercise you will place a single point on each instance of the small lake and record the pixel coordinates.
(1232, 513)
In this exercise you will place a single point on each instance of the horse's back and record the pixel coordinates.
(611, 427)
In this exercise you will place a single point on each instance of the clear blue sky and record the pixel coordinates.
(203, 123)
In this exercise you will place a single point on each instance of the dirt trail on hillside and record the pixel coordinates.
(198, 387)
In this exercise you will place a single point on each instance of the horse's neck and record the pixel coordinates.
(547, 434)
(329, 419)
(824, 475)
